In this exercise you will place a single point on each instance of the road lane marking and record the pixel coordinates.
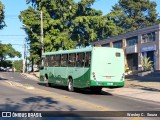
(65, 96)
(136, 118)
(17, 84)
(9, 83)
(104, 110)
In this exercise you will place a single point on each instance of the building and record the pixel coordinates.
(136, 44)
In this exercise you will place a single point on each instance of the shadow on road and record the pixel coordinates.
(142, 79)
(151, 81)
(82, 91)
(37, 103)
(3, 78)
(150, 89)
(47, 106)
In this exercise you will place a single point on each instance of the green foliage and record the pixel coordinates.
(6, 50)
(126, 69)
(6, 63)
(65, 24)
(2, 23)
(18, 65)
(133, 14)
(158, 20)
(146, 64)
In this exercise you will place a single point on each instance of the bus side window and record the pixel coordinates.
(52, 60)
(71, 60)
(80, 59)
(46, 61)
(88, 59)
(57, 61)
(64, 60)
(49, 60)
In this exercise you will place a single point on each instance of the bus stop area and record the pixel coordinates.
(146, 87)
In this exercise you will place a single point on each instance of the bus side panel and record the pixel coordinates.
(83, 79)
(42, 73)
(59, 76)
(86, 80)
(75, 73)
(50, 73)
(80, 75)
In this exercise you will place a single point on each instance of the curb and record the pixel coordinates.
(17, 84)
(33, 77)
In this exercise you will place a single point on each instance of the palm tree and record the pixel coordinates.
(147, 64)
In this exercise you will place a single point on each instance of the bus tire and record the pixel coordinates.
(70, 85)
(46, 80)
(48, 84)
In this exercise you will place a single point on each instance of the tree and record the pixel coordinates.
(133, 14)
(2, 23)
(6, 63)
(7, 51)
(18, 65)
(66, 23)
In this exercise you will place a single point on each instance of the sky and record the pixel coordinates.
(13, 33)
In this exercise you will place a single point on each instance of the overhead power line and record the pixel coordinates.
(12, 35)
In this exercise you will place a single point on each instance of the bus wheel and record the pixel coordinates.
(70, 85)
(47, 83)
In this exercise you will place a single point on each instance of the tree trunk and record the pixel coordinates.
(32, 70)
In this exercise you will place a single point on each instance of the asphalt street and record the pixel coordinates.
(34, 96)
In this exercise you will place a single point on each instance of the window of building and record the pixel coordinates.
(105, 45)
(149, 37)
(117, 44)
(132, 41)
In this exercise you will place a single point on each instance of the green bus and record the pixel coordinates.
(93, 68)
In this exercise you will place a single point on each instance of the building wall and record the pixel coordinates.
(140, 45)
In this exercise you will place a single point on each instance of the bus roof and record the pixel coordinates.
(75, 50)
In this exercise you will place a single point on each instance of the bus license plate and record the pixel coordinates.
(108, 77)
(110, 83)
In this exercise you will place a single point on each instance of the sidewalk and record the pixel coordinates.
(146, 88)
(135, 93)
(135, 87)
(34, 76)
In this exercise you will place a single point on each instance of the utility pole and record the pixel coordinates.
(24, 60)
(42, 41)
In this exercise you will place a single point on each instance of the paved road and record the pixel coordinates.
(16, 97)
